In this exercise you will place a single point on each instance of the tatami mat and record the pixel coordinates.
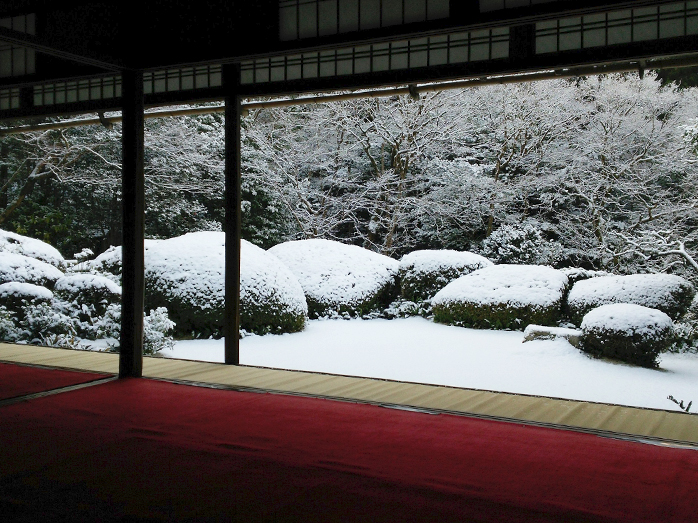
(623, 421)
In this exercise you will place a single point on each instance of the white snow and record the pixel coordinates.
(419, 263)
(628, 318)
(20, 268)
(76, 283)
(16, 243)
(418, 350)
(650, 290)
(25, 290)
(335, 274)
(517, 285)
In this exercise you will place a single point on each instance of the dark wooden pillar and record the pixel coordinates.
(133, 219)
(233, 213)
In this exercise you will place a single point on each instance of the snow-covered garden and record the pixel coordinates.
(537, 238)
(441, 316)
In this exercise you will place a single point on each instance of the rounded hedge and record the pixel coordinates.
(18, 244)
(502, 297)
(88, 289)
(339, 278)
(15, 296)
(20, 268)
(666, 292)
(424, 273)
(186, 275)
(627, 332)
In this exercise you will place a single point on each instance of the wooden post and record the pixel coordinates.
(233, 213)
(133, 220)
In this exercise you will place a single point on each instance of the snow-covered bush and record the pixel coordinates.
(575, 274)
(502, 297)
(686, 331)
(156, 329)
(186, 274)
(20, 268)
(108, 262)
(627, 332)
(271, 298)
(16, 296)
(666, 292)
(43, 320)
(402, 308)
(339, 278)
(9, 331)
(424, 273)
(521, 244)
(31, 247)
(88, 289)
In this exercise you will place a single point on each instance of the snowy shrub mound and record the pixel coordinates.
(186, 275)
(90, 289)
(18, 244)
(666, 292)
(424, 273)
(19, 268)
(339, 278)
(627, 332)
(522, 243)
(502, 297)
(15, 296)
(575, 274)
(108, 262)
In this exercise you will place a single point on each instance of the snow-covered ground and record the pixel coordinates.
(418, 350)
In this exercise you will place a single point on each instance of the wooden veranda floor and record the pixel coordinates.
(650, 425)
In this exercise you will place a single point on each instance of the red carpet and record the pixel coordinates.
(19, 380)
(141, 450)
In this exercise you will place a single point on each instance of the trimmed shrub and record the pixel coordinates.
(271, 298)
(424, 273)
(19, 268)
(42, 321)
(502, 297)
(108, 262)
(339, 278)
(627, 332)
(666, 292)
(31, 247)
(186, 275)
(521, 243)
(16, 296)
(575, 274)
(9, 331)
(89, 289)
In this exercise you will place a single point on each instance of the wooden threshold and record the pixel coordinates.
(649, 425)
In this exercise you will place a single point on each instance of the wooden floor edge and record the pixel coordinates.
(622, 422)
(399, 406)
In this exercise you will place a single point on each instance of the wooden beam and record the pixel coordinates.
(30, 41)
(233, 213)
(132, 250)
